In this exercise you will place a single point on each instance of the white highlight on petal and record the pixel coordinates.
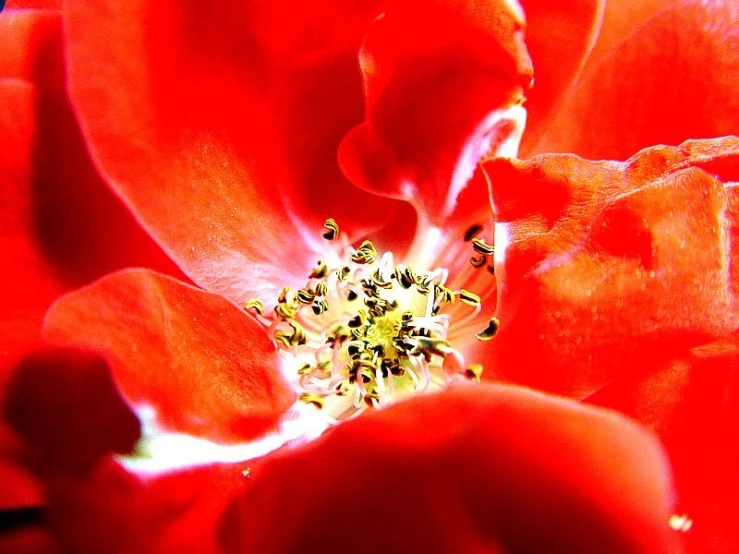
(160, 451)
(503, 128)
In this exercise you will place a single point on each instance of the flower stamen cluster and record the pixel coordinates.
(365, 333)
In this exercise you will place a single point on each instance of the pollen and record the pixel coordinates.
(368, 332)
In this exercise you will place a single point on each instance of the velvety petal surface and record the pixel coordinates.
(223, 142)
(475, 469)
(692, 403)
(439, 78)
(672, 79)
(205, 366)
(610, 268)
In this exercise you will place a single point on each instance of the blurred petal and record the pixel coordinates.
(692, 403)
(443, 83)
(612, 267)
(112, 511)
(203, 365)
(34, 4)
(475, 469)
(65, 404)
(673, 79)
(223, 142)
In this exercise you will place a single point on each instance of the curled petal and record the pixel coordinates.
(476, 469)
(443, 85)
(203, 365)
(612, 267)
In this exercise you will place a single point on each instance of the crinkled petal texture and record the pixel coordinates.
(474, 469)
(661, 73)
(219, 124)
(611, 268)
(438, 77)
(692, 403)
(205, 366)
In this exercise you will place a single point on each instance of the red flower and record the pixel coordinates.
(219, 128)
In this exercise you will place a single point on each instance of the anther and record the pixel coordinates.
(332, 229)
(365, 254)
(285, 311)
(478, 261)
(444, 294)
(322, 289)
(469, 298)
(343, 273)
(482, 247)
(320, 271)
(254, 305)
(440, 347)
(319, 306)
(314, 399)
(490, 330)
(306, 296)
(474, 371)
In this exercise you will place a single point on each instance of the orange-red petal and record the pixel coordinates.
(205, 366)
(610, 267)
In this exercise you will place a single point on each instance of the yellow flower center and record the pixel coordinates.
(369, 332)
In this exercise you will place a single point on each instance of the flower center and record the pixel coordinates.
(366, 333)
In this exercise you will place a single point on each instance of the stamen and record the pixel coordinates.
(254, 305)
(482, 247)
(332, 229)
(478, 261)
(489, 331)
(365, 333)
(474, 371)
(469, 298)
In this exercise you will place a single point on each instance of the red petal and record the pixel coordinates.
(673, 79)
(34, 539)
(65, 404)
(115, 512)
(34, 4)
(693, 404)
(559, 37)
(437, 78)
(59, 224)
(612, 268)
(476, 469)
(220, 129)
(205, 366)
